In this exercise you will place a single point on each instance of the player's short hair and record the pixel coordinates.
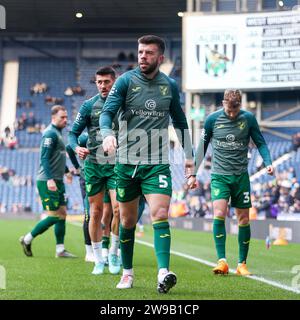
(151, 39)
(107, 70)
(55, 109)
(233, 95)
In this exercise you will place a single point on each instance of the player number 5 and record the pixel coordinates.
(163, 183)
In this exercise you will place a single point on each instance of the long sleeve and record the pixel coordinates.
(180, 123)
(72, 156)
(260, 142)
(79, 125)
(205, 138)
(48, 144)
(114, 101)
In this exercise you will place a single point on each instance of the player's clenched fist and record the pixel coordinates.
(109, 144)
(82, 152)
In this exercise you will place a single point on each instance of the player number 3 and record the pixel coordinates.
(246, 197)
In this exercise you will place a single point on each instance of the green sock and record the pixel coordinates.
(105, 242)
(244, 241)
(219, 232)
(43, 225)
(162, 243)
(126, 245)
(60, 231)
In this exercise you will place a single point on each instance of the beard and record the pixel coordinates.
(149, 68)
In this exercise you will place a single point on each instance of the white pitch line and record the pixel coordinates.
(211, 264)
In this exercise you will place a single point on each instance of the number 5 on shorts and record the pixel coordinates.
(163, 183)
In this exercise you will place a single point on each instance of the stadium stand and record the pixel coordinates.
(17, 182)
(61, 73)
(57, 74)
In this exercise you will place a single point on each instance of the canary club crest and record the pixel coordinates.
(121, 192)
(163, 90)
(216, 52)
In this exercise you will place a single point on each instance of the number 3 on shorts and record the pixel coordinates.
(246, 197)
(163, 183)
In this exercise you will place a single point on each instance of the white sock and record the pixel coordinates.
(60, 248)
(28, 238)
(97, 249)
(115, 242)
(223, 259)
(104, 252)
(128, 272)
(119, 252)
(88, 249)
(162, 271)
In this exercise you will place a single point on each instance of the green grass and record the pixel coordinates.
(44, 277)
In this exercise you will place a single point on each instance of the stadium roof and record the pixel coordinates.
(100, 17)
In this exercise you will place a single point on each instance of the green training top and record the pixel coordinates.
(230, 139)
(145, 107)
(82, 141)
(88, 117)
(52, 155)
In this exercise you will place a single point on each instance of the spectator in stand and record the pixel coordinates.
(39, 87)
(28, 104)
(31, 122)
(122, 56)
(49, 100)
(296, 141)
(78, 91)
(22, 122)
(68, 92)
(7, 132)
(10, 141)
(19, 103)
(131, 57)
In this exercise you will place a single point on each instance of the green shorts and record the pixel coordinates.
(52, 200)
(135, 180)
(106, 198)
(236, 187)
(98, 176)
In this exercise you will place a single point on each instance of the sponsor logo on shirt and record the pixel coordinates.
(136, 89)
(203, 134)
(47, 142)
(150, 104)
(78, 117)
(230, 138)
(112, 91)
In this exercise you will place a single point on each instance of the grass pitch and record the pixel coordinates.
(46, 277)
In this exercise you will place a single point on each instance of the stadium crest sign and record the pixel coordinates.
(216, 51)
